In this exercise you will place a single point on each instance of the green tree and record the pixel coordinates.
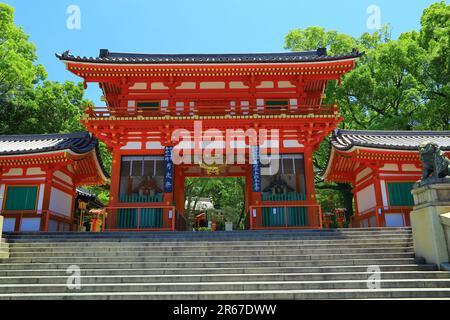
(28, 102)
(227, 194)
(398, 84)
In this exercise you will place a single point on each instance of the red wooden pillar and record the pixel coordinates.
(309, 176)
(356, 222)
(378, 198)
(179, 193)
(115, 178)
(313, 212)
(72, 212)
(46, 199)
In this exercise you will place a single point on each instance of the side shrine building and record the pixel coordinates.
(172, 116)
(382, 167)
(39, 175)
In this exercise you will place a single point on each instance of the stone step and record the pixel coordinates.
(225, 286)
(243, 277)
(215, 264)
(208, 235)
(203, 236)
(208, 244)
(216, 258)
(232, 234)
(211, 270)
(392, 293)
(203, 252)
(166, 248)
(313, 264)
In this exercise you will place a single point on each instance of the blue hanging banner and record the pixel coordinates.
(168, 170)
(256, 169)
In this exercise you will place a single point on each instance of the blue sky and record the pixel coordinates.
(193, 26)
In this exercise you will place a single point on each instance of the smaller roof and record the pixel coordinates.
(79, 142)
(345, 140)
(88, 196)
(85, 194)
(344, 144)
(106, 56)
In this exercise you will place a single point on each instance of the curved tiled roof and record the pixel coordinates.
(394, 140)
(79, 142)
(142, 58)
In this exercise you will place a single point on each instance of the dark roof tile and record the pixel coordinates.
(79, 142)
(393, 140)
(143, 58)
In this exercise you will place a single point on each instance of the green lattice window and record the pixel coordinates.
(148, 105)
(276, 104)
(400, 194)
(21, 198)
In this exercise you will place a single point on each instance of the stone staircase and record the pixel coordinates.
(303, 264)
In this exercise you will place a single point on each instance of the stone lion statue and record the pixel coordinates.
(434, 163)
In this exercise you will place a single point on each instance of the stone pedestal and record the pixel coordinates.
(429, 233)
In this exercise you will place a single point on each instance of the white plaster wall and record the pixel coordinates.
(410, 167)
(34, 171)
(390, 167)
(158, 86)
(363, 174)
(237, 85)
(212, 85)
(9, 224)
(41, 196)
(64, 177)
(285, 84)
(2, 195)
(60, 202)
(132, 146)
(14, 172)
(292, 144)
(154, 145)
(383, 193)
(139, 86)
(30, 224)
(394, 220)
(366, 198)
(266, 84)
(187, 85)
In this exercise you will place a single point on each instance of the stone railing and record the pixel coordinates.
(430, 221)
(445, 221)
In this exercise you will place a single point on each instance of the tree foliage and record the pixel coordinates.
(400, 84)
(227, 194)
(28, 102)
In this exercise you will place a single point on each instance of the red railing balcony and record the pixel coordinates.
(219, 110)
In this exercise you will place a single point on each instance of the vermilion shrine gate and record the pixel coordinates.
(150, 98)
